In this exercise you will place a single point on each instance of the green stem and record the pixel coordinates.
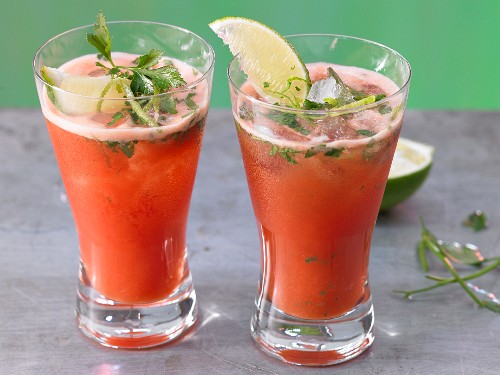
(481, 272)
(137, 107)
(431, 245)
(421, 255)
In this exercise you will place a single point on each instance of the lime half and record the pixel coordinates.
(410, 167)
(85, 87)
(272, 65)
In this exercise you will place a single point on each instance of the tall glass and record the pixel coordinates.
(129, 183)
(316, 181)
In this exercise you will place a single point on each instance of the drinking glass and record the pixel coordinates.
(129, 186)
(316, 180)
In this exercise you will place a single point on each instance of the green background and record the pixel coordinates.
(452, 45)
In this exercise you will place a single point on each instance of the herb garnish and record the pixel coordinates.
(287, 119)
(449, 254)
(477, 221)
(135, 81)
(366, 132)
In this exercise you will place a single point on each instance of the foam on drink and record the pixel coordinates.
(94, 125)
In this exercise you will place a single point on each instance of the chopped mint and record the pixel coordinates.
(310, 152)
(117, 116)
(384, 109)
(311, 259)
(167, 104)
(126, 147)
(286, 153)
(190, 102)
(287, 119)
(334, 152)
(366, 132)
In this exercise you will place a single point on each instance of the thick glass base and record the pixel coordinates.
(313, 342)
(119, 325)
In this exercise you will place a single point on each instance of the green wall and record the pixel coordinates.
(452, 45)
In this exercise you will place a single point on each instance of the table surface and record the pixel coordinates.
(440, 332)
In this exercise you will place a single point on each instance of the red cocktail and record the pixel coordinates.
(316, 178)
(128, 162)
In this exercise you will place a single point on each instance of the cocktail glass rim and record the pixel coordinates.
(387, 99)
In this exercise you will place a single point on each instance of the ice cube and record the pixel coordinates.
(333, 128)
(325, 88)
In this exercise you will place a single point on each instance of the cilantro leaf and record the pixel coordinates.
(144, 81)
(141, 85)
(150, 59)
(101, 39)
(163, 78)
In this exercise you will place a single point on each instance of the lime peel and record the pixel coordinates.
(410, 167)
(81, 94)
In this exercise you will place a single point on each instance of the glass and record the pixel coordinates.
(316, 181)
(129, 185)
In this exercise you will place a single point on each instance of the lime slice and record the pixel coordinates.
(410, 167)
(270, 62)
(85, 87)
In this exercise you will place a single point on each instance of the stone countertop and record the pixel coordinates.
(440, 332)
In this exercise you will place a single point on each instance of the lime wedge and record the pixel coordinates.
(410, 167)
(85, 87)
(270, 62)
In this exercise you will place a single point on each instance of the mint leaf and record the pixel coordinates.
(127, 148)
(309, 104)
(101, 39)
(384, 109)
(287, 119)
(190, 102)
(335, 152)
(167, 104)
(310, 153)
(366, 132)
(117, 116)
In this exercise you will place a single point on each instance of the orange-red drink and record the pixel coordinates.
(127, 131)
(316, 176)
(131, 212)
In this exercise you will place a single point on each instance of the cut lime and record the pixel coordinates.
(85, 87)
(272, 65)
(410, 167)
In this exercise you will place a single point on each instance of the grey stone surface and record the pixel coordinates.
(441, 332)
